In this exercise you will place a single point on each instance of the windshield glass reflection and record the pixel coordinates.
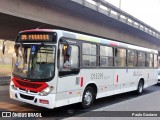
(34, 62)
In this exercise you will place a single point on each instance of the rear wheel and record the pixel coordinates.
(140, 87)
(88, 97)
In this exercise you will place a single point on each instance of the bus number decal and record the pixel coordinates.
(97, 76)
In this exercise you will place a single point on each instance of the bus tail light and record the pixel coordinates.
(43, 101)
(46, 91)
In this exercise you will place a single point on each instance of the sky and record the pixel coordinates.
(147, 11)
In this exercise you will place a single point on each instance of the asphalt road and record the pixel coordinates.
(67, 112)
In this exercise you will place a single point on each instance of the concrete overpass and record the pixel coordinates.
(98, 18)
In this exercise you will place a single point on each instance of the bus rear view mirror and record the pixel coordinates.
(4, 47)
(69, 49)
(63, 41)
(16, 49)
(66, 48)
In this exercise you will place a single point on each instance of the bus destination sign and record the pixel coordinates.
(36, 37)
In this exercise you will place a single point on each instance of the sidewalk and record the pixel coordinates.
(4, 80)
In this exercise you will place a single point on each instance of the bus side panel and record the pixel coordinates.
(102, 78)
(149, 75)
(151, 78)
(68, 90)
(142, 74)
(125, 80)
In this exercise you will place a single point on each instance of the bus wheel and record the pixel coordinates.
(88, 97)
(140, 87)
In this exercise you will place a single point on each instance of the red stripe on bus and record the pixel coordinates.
(117, 78)
(81, 83)
(27, 85)
(113, 44)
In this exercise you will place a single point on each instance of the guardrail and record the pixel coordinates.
(115, 13)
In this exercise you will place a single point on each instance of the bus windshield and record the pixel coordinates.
(34, 62)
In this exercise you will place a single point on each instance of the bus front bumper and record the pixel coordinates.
(34, 99)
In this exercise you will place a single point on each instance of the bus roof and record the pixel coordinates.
(37, 30)
(106, 41)
(90, 38)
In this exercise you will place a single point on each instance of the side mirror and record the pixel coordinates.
(4, 47)
(63, 41)
(16, 49)
(69, 50)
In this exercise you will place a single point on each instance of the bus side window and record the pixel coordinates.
(64, 58)
(132, 58)
(74, 58)
(89, 55)
(141, 59)
(155, 61)
(106, 56)
(120, 57)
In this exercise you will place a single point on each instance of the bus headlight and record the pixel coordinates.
(46, 91)
(13, 86)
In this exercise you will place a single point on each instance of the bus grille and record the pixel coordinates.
(30, 85)
(26, 97)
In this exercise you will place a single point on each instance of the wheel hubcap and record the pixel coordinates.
(88, 98)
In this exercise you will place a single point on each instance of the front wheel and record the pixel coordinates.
(140, 87)
(88, 97)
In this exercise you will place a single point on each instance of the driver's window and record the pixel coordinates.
(68, 62)
(71, 61)
(61, 62)
(74, 58)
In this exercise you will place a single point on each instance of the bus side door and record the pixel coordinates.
(69, 78)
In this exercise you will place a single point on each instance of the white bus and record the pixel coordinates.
(53, 68)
